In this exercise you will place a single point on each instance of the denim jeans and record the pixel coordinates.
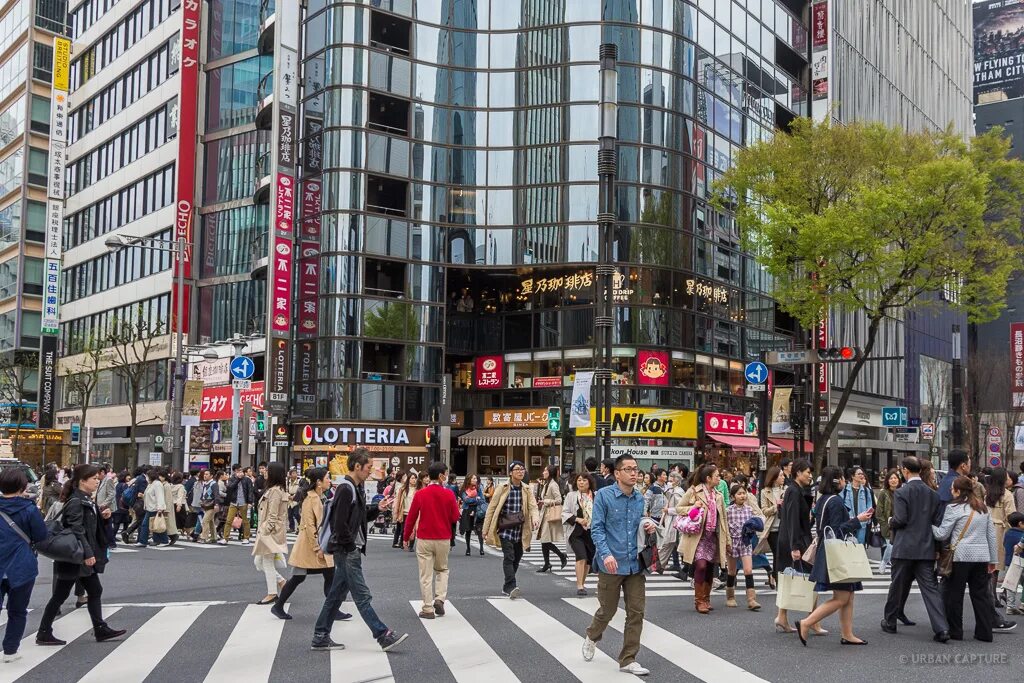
(887, 557)
(348, 578)
(144, 531)
(16, 601)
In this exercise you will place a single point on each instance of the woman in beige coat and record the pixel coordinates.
(707, 549)
(172, 498)
(307, 556)
(550, 533)
(271, 545)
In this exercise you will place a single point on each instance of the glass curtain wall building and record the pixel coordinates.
(459, 228)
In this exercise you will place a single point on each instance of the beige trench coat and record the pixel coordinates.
(688, 542)
(494, 514)
(304, 551)
(273, 515)
(551, 532)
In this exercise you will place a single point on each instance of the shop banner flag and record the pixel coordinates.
(579, 406)
(1018, 440)
(780, 410)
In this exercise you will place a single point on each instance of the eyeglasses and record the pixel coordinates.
(518, 469)
(630, 470)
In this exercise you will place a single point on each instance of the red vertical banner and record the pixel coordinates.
(1017, 362)
(282, 284)
(309, 259)
(819, 25)
(822, 343)
(191, 12)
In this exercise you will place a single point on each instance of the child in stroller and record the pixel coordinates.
(382, 524)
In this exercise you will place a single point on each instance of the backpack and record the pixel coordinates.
(324, 535)
(206, 498)
(131, 492)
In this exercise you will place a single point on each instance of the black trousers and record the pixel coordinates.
(61, 591)
(512, 555)
(972, 576)
(296, 579)
(904, 573)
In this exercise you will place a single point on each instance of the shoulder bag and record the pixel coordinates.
(553, 511)
(511, 520)
(944, 565)
(61, 544)
(812, 550)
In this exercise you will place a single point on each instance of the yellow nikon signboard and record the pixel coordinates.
(652, 423)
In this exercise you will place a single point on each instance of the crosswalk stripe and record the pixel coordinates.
(362, 659)
(250, 649)
(693, 659)
(67, 628)
(155, 638)
(560, 642)
(468, 656)
(3, 616)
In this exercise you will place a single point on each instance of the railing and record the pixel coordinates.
(265, 86)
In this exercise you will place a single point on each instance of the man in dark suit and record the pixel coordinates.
(915, 509)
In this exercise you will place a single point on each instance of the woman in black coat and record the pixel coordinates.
(833, 514)
(81, 516)
(794, 528)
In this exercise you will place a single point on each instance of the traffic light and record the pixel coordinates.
(430, 435)
(554, 419)
(839, 354)
(261, 421)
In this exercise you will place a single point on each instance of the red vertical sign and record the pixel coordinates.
(309, 259)
(191, 11)
(283, 258)
(819, 25)
(822, 343)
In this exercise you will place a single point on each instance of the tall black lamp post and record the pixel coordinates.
(607, 170)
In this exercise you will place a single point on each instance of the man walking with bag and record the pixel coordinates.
(915, 508)
(436, 510)
(513, 511)
(617, 517)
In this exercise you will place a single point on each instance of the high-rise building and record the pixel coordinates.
(27, 31)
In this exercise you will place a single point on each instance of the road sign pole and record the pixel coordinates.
(762, 432)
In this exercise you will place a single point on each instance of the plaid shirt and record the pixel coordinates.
(513, 504)
(737, 516)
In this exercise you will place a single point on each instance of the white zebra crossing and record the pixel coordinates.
(254, 646)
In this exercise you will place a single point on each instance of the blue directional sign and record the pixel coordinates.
(242, 367)
(894, 416)
(756, 372)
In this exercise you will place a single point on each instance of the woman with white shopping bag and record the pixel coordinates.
(834, 522)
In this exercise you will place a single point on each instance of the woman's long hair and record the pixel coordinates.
(701, 476)
(276, 475)
(963, 492)
(308, 482)
(995, 486)
(469, 478)
(80, 473)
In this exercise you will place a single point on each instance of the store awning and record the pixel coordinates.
(790, 445)
(746, 444)
(504, 437)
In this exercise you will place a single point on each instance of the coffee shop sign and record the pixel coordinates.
(719, 295)
(566, 283)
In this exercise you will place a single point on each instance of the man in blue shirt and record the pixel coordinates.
(617, 515)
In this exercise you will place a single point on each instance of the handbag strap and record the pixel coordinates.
(963, 531)
(17, 529)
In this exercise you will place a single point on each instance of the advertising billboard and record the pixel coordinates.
(998, 50)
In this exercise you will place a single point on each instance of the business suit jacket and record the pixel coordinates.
(915, 508)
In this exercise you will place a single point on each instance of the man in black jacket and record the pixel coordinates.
(915, 508)
(347, 541)
(239, 497)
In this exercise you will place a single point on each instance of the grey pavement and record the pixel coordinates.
(191, 617)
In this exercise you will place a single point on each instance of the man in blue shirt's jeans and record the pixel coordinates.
(617, 516)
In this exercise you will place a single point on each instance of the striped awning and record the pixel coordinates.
(504, 437)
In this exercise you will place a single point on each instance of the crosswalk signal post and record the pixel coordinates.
(555, 427)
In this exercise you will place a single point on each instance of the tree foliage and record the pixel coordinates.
(871, 219)
(132, 341)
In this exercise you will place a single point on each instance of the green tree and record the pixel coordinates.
(132, 342)
(392, 320)
(883, 219)
(82, 379)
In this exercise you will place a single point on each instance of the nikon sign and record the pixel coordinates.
(652, 423)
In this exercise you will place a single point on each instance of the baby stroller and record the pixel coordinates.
(382, 524)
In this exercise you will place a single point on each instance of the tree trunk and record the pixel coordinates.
(133, 444)
(822, 439)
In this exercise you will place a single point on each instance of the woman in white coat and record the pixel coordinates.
(157, 518)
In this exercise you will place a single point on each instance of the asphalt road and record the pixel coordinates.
(190, 618)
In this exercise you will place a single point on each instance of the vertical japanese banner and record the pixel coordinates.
(822, 369)
(821, 59)
(1017, 363)
(284, 201)
(184, 198)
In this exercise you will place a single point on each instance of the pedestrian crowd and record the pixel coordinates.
(955, 536)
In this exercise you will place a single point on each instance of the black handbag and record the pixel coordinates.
(875, 537)
(510, 520)
(61, 544)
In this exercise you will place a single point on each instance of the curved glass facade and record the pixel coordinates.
(459, 158)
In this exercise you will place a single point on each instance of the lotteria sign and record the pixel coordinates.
(647, 423)
(337, 435)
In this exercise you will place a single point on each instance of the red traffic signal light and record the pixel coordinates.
(847, 353)
(839, 354)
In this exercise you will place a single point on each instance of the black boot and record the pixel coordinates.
(565, 559)
(47, 638)
(545, 568)
(105, 633)
(278, 611)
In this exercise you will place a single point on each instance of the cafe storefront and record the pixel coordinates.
(328, 444)
(507, 435)
(731, 442)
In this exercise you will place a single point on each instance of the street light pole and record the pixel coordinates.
(237, 343)
(176, 430)
(607, 170)
(958, 393)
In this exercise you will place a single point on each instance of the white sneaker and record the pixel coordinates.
(514, 593)
(635, 669)
(246, 542)
(12, 658)
(588, 649)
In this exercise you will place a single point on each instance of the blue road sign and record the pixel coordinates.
(242, 367)
(894, 416)
(756, 372)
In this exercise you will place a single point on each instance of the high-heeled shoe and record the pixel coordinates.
(545, 568)
(565, 560)
(800, 633)
(780, 628)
